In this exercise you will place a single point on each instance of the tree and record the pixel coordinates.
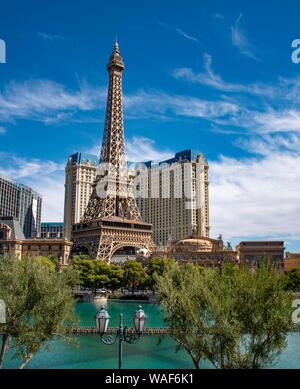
(231, 316)
(179, 290)
(134, 274)
(39, 305)
(96, 273)
(292, 280)
(85, 268)
(156, 267)
(263, 308)
(116, 276)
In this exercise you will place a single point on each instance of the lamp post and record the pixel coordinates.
(122, 335)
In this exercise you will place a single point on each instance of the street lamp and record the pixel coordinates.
(102, 320)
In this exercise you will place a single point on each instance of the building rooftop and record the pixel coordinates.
(19, 185)
(79, 158)
(52, 224)
(184, 155)
(14, 225)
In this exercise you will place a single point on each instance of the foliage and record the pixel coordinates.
(231, 316)
(134, 274)
(156, 267)
(39, 305)
(292, 280)
(98, 274)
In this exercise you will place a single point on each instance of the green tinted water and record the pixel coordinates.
(147, 353)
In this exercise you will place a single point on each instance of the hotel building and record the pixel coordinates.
(80, 174)
(21, 203)
(172, 195)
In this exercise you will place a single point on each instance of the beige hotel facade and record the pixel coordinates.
(172, 195)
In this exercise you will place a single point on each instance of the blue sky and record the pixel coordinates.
(215, 76)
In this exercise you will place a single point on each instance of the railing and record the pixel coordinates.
(112, 330)
(147, 331)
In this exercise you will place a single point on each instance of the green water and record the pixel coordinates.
(147, 353)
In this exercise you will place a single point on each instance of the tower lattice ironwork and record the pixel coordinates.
(112, 219)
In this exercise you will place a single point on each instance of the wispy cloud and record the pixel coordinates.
(269, 121)
(46, 101)
(139, 149)
(261, 107)
(2, 130)
(49, 102)
(157, 102)
(210, 78)
(49, 37)
(240, 40)
(186, 35)
(178, 30)
(285, 120)
(268, 144)
(218, 16)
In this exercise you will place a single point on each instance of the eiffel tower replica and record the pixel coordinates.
(112, 219)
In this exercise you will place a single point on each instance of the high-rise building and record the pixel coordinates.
(171, 218)
(173, 196)
(52, 230)
(22, 203)
(80, 174)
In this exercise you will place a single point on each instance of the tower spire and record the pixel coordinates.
(115, 59)
(119, 200)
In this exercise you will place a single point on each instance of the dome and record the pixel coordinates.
(195, 242)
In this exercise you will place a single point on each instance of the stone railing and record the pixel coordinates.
(113, 330)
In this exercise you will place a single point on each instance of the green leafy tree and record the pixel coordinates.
(96, 273)
(292, 280)
(85, 269)
(39, 305)
(116, 276)
(134, 274)
(156, 267)
(231, 316)
(262, 307)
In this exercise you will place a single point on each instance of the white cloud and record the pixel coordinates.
(49, 37)
(186, 35)
(2, 130)
(239, 39)
(50, 102)
(218, 16)
(140, 149)
(178, 30)
(45, 100)
(261, 108)
(286, 120)
(256, 197)
(51, 187)
(210, 78)
(155, 103)
(268, 144)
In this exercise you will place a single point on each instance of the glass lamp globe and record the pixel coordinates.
(102, 320)
(139, 319)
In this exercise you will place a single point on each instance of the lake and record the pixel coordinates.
(148, 352)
